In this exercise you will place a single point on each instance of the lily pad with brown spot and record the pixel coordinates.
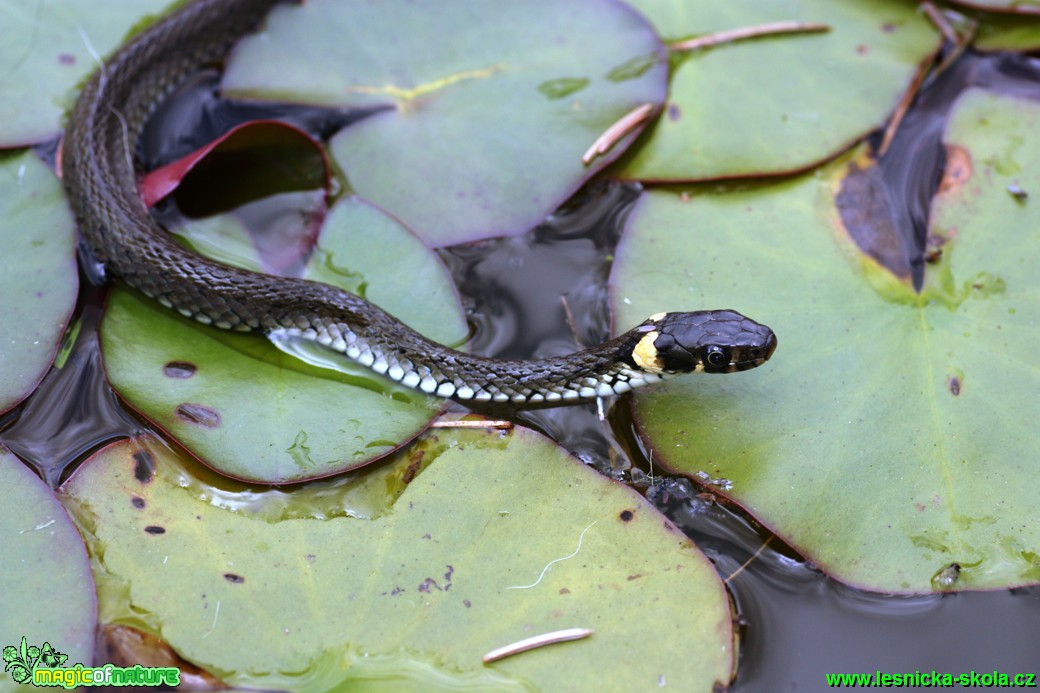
(413, 598)
(255, 412)
(50, 47)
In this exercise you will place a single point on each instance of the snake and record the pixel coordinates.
(99, 173)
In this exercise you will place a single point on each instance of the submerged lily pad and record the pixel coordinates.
(48, 593)
(254, 412)
(888, 438)
(779, 103)
(48, 48)
(1008, 33)
(487, 129)
(411, 600)
(38, 279)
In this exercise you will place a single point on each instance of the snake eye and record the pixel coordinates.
(716, 356)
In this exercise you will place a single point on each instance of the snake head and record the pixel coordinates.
(710, 341)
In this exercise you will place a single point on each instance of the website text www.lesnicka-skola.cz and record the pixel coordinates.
(932, 679)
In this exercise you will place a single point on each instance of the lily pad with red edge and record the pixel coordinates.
(38, 278)
(488, 127)
(888, 439)
(48, 49)
(254, 412)
(412, 599)
(260, 157)
(778, 103)
(274, 176)
(48, 593)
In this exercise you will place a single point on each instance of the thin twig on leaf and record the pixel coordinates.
(904, 103)
(557, 636)
(616, 132)
(742, 34)
(939, 20)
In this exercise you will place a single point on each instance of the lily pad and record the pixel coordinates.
(47, 49)
(1010, 6)
(486, 132)
(259, 157)
(413, 599)
(48, 593)
(254, 412)
(1008, 33)
(887, 439)
(781, 103)
(38, 277)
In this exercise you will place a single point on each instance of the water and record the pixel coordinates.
(796, 625)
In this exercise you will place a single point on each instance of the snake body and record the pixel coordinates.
(100, 178)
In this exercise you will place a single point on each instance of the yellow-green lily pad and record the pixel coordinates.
(889, 439)
(412, 599)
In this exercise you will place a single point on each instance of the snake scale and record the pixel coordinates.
(100, 177)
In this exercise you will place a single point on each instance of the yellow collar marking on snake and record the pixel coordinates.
(645, 354)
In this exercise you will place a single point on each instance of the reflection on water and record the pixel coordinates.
(796, 625)
(72, 414)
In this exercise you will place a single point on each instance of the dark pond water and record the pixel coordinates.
(796, 624)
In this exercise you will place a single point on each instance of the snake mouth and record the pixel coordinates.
(754, 356)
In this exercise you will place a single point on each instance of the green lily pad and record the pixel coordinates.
(254, 412)
(47, 49)
(781, 103)
(411, 600)
(48, 593)
(888, 437)
(486, 131)
(38, 277)
(1010, 6)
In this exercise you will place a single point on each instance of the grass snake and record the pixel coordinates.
(100, 177)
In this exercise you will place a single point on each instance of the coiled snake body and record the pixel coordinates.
(99, 176)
